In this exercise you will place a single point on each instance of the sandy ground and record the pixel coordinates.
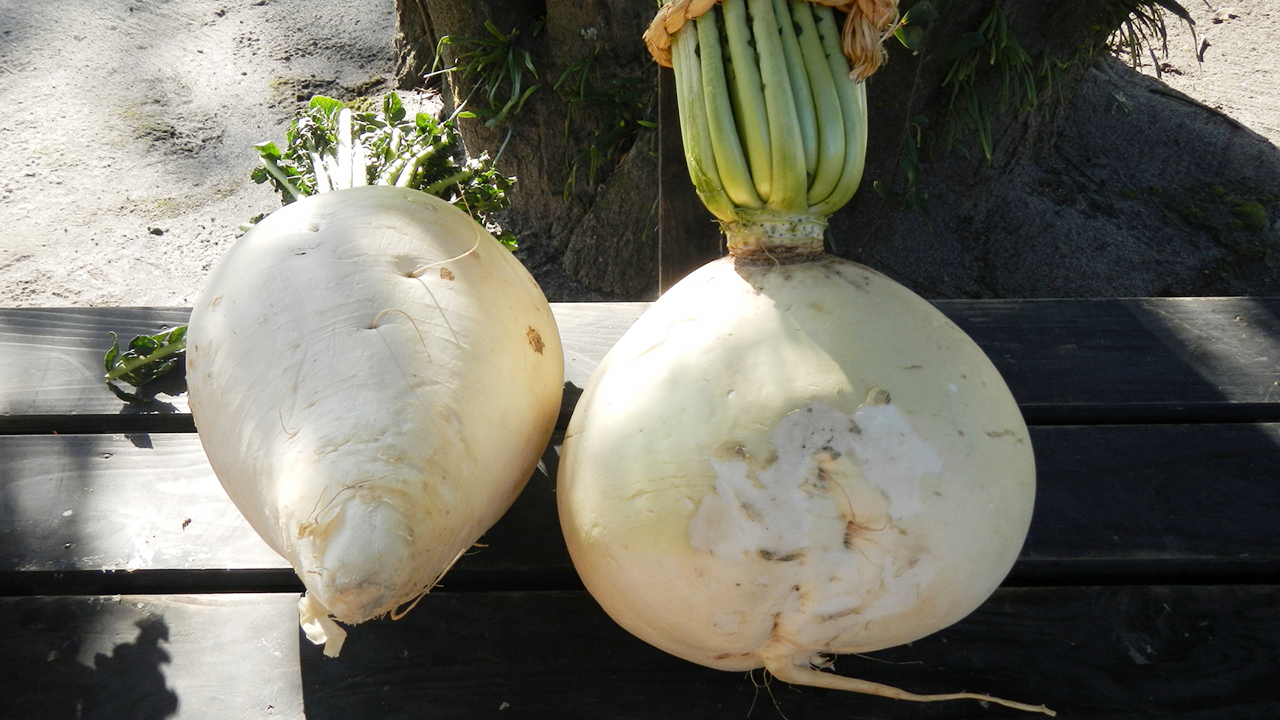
(128, 136)
(1232, 63)
(127, 141)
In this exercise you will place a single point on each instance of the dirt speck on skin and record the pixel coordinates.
(535, 340)
(129, 133)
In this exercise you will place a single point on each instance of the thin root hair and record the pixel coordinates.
(767, 685)
(784, 669)
(400, 612)
(313, 518)
(419, 272)
(377, 318)
(403, 610)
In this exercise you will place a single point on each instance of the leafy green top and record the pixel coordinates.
(331, 146)
(145, 358)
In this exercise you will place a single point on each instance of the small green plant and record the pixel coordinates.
(492, 70)
(912, 196)
(1143, 28)
(1250, 216)
(970, 57)
(385, 147)
(992, 47)
(622, 108)
(1023, 83)
(913, 32)
(144, 359)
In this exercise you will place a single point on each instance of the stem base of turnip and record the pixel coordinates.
(780, 238)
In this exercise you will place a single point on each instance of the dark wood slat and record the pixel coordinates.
(1140, 360)
(1163, 502)
(51, 363)
(114, 502)
(104, 513)
(588, 331)
(1086, 652)
(1067, 361)
(178, 657)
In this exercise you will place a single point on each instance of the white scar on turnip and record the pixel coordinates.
(800, 506)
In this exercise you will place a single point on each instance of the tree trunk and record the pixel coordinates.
(584, 204)
(415, 43)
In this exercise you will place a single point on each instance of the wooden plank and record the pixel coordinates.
(1143, 360)
(1203, 652)
(1067, 361)
(1114, 503)
(1087, 652)
(51, 364)
(118, 502)
(136, 513)
(1153, 503)
(51, 369)
(588, 331)
(211, 656)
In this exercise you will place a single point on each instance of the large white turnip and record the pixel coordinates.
(789, 456)
(373, 377)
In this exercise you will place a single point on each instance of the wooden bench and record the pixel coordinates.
(1149, 585)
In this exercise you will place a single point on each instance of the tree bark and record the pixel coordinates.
(415, 43)
(587, 228)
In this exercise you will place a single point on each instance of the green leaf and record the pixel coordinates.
(962, 44)
(910, 170)
(911, 38)
(148, 358)
(1177, 9)
(393, 108)
(329, 105)
(268, 149)
(920, 13)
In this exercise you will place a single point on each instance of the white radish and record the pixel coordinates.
(374, 378)
(780, 462)
(789, 456)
